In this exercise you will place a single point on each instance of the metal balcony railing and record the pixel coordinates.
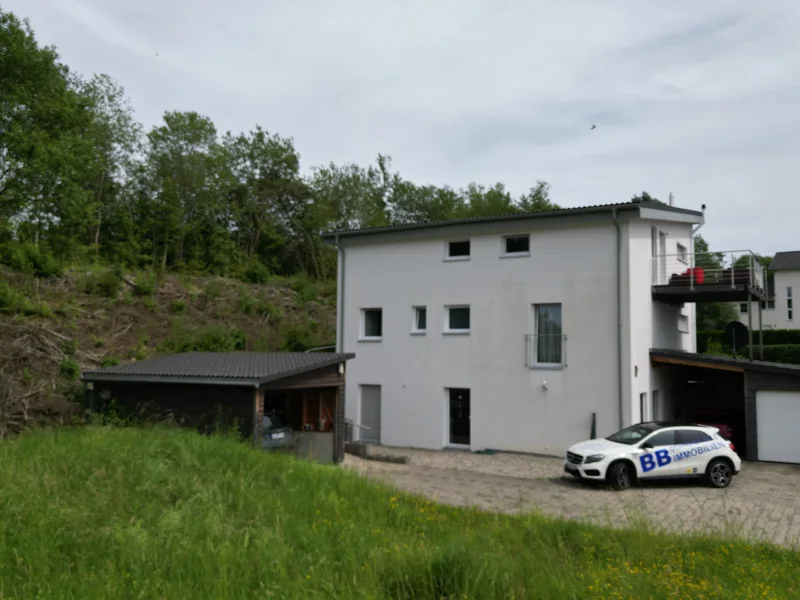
(731, 268)
(545, 350)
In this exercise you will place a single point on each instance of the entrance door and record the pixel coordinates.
(459, 417)
(370, 414)
(656, 410)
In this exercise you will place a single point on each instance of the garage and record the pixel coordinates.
(278, 400)
(759, 400)
(778, 415)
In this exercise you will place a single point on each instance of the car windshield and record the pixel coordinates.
(633, 434)
(272, 421)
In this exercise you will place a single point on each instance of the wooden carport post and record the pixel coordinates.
(338, 418)
(258, 417)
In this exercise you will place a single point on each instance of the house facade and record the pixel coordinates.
(520, 333)
(777, 311)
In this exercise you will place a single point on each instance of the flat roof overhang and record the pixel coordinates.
(665, 357)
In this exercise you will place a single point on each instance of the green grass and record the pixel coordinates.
(162, 513)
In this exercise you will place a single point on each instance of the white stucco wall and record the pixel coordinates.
(652, 324)
(510, 409)
(777, 318)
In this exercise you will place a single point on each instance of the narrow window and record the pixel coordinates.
(683, 323)
(420, 320)
(549, 335)
(682, 253)
(458, 319)
(458, 250)
(372, 326)
(517, 245)
(743, 308)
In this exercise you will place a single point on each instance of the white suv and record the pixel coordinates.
(655, 451)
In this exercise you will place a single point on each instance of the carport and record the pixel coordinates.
(765, 395)
(206, 390)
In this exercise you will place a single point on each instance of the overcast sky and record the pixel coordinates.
(701, 99)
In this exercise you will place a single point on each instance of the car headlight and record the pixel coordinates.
(594, 458)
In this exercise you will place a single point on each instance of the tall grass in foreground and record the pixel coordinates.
(163, 513)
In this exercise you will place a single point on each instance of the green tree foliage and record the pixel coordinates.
(80, 180)
(711, 316)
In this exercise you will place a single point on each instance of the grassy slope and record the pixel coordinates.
(161, 513)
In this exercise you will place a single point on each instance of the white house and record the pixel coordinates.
(777, 311)
(512, 332)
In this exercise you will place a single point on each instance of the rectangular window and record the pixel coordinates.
(549, 336)
(768, 304)
(457, 319)
(682, 253)
(517, 245)
(420, 320)
(372, 324)
(743, 308)
(458, 250)
(789, 292)
(683, 323)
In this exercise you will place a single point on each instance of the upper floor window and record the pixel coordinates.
(457, 250)
(768, 304)
(682, 253)
(420, 320)
(457, 319)
(372, 324)
(683, 323)
(517, 245)
(743, 308)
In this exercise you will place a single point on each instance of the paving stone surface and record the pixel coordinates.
(762, 503)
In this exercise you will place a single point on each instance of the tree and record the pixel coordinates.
(711, 316)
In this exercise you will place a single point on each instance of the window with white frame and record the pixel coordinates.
(371, 324)
(789, 307)
(420, 324)
(549, 336)
(457, 319)
(683, 323)
(682, 256)
(457, 250)
(517, 245)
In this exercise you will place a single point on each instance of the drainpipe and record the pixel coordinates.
(619, 316)
(694, 264)
(340, 298)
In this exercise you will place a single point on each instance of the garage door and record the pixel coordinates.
(371, 413)
(777, 416)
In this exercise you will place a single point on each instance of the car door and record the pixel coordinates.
(653, 455)
(689, 456)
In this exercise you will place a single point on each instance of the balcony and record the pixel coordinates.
(733, 276)
(546, 351)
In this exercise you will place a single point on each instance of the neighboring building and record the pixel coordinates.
(515, 332)
(783, 282)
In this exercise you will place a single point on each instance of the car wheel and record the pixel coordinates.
(620, 476)
(719, 473)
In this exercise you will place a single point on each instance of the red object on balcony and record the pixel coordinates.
(699, 275)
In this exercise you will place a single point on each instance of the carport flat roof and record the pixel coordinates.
(217, 368)
(725, 363)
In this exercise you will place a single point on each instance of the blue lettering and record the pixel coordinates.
(647, 462)
(681, 456)
(662, 456)
(693, 451)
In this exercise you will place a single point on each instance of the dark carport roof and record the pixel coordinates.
(786, 261)
(218, 368)
(692, 359)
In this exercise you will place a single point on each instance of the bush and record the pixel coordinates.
(257, 272)
(206, 339)
(146, 285)
(778, 353)
(177, 306)
(32, 260)
(109, 361)
(12, 302)
(69, 370)
(296, 338)
(259, 307)
(106, 283)
(772, 337)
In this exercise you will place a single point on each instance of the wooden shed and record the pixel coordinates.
(206, 390)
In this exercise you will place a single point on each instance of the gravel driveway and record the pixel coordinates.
(762, 503)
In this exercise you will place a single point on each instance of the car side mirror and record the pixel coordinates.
(646, 446)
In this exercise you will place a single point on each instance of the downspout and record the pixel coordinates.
(619, 316)
(340, 298)
(694, 264)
